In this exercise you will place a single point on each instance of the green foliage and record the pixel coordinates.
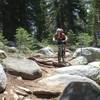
(24, 39)
(89, 17)
(72, 39)
(84, 39)
(36, 13)
(43, 17)
(2, 39)
(48, 40)
(36, 44)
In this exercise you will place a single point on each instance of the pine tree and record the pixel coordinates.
(42, 16)
(36, 16)
(96, 20)
(68, 14)
(23, 39)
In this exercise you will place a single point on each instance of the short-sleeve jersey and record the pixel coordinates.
(60, 36)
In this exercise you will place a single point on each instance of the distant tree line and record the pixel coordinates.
(42, 17)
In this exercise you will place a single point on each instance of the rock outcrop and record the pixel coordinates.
(91, 53)
(80, 91)
(47, 51)
(25, 68)
(81, 70)
(3, 79)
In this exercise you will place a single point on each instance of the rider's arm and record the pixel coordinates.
(66, 38)
(54, 39)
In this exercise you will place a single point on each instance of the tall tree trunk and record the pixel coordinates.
(96, 21)
(13, 12)
(1, 17)
(9, 20)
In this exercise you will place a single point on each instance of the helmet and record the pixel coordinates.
(59, 30)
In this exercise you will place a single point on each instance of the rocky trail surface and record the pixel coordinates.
(40, 77)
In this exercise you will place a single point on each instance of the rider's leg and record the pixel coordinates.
(63, 52)
(59, 59)
(64, 49)
(59, 54)
(63, 60)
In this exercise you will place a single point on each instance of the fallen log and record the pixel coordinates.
(56, 64)
(41, 61)
(46, 94)
(49, 62)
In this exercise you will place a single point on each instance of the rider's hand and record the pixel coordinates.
(54, 40)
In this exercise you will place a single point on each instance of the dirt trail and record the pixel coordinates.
(14, 81)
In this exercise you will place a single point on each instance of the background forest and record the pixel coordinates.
(30, 22)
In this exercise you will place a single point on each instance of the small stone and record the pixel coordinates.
(19, 78)
(19, 92)
(24, 89)
(21, 97)
(5, 92)
(14, 95)
(26, 98)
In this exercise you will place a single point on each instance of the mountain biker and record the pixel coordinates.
(60, 37)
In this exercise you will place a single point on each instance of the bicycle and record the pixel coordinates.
(61, 52)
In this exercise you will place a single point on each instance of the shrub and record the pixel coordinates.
(72, 39)
(3, 41)
(79, 40)
(23, 39)
(84, 39)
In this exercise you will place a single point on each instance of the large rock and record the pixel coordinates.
(81, 91)
(47, 51)
(81, 70)
(11, 49)
(64, 79)
(3, 79)
(91, 53)
(95, 63)
(80, 60)
(58, 82)
(25, 68)
(68, 54)
(3, 54)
